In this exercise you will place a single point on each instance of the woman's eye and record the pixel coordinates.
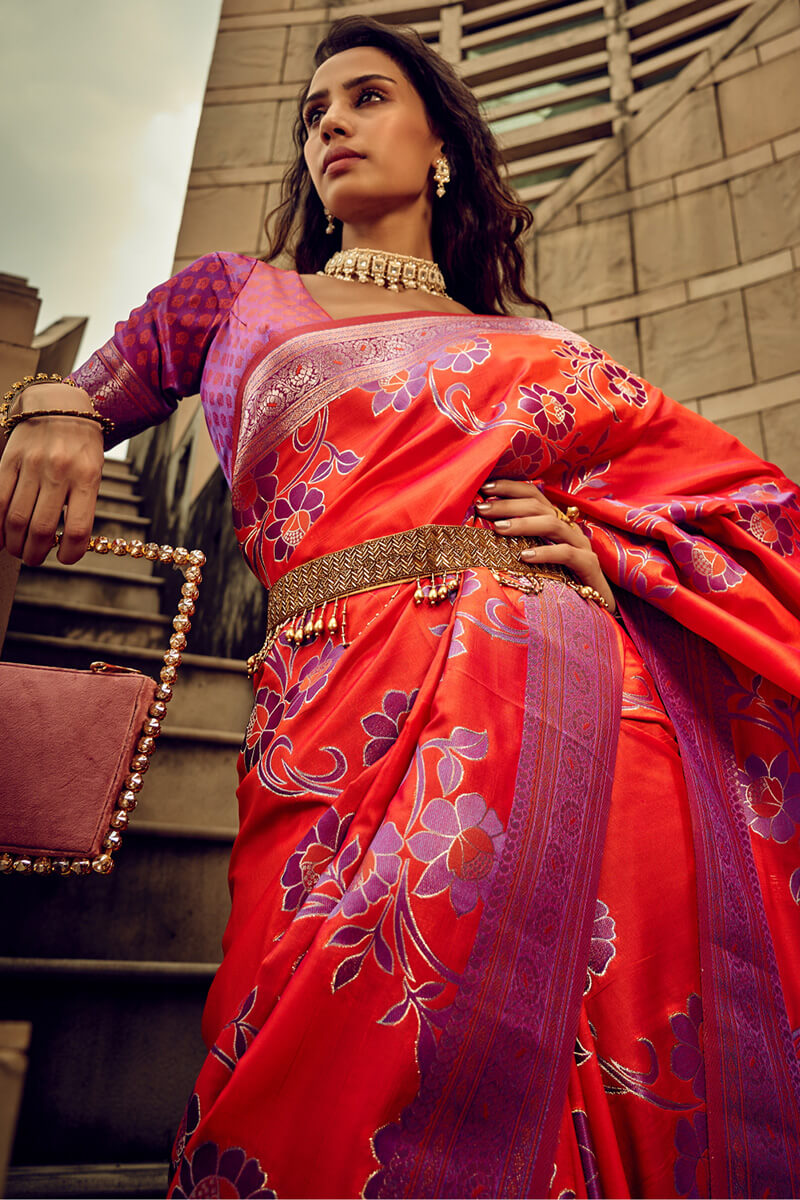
(314, 115)
(370, 92)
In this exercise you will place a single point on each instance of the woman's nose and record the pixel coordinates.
(333, 122)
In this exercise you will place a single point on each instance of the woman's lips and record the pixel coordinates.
(344, 161)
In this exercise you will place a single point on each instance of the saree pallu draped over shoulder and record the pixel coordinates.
(515, 892)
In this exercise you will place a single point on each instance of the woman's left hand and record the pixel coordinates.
(518, 509)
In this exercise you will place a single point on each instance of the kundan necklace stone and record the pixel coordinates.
(393, 271)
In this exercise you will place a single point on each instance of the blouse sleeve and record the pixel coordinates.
(156, 357)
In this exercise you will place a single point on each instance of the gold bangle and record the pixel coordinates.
(7, 424)
(28, 381)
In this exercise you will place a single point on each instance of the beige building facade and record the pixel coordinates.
(658, 144)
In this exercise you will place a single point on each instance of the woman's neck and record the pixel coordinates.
(394, 234)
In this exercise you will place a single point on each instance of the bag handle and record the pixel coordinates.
(189, 562)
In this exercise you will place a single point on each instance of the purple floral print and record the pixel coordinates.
(625, 385)
(384, 727)
(602, 948)
(222, 1173)
(264, 720)
(312, 677)
(691, 1165)
(583, 1136)
(317, 849)
(189, 1122)
(461, 844)
(705, 566)
(580, 354)
(686, 1060)
(398, 390)
(552, 413)
(461, 357)
(379, 872)
(766, 522)
(252, 494)
(292, 517)
(238, 1033)
(523, 458)
(772, 797)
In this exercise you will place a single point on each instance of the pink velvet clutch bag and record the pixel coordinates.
(75, 745)
(67, 740)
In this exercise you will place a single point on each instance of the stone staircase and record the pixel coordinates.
(112, 971)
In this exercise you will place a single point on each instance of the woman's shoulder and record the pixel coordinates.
(263, 295)
(232, 275)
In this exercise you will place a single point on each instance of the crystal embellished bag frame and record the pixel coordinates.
(142, 741)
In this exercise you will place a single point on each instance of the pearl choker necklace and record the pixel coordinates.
(393, 271)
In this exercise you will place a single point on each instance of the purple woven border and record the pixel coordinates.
(486, 1118)
(752, 1075)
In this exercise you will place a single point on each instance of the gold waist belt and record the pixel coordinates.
(433, 555)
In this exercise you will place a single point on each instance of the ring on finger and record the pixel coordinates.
(570, 517)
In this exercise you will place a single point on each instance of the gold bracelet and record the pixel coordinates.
(28, 381)
(588, 593)
(7, 424)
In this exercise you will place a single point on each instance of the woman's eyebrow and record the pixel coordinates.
(351, 83)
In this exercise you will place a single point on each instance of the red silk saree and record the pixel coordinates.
(515, 892)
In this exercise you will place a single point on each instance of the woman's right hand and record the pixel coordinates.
(45, 464)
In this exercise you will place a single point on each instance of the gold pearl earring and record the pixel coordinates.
(441, 174)
(330, 227)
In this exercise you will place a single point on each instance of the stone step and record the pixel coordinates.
(192, 779)
(115, 1051)
(210, 694)
(166, 900)
(97, 624)
(118, 468)
(88, 1181)
(119, 504)
(107, 586)
(111, 525)
(119, 487)
(92, 561)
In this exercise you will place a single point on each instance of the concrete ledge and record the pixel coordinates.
(138, 1181)
(755, 271)
(91, 610)
(206, 662)
(103, 968)
(756, 398)
(191, 833)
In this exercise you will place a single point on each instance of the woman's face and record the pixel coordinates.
(369, 148)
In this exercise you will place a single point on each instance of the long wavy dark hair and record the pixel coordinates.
(477, 226)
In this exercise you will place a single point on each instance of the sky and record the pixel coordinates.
(101, 101)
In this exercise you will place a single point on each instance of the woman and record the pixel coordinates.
(513, 897)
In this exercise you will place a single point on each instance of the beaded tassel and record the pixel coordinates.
(333, 624)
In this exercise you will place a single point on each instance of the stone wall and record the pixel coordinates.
(675, 245)
(679, 250)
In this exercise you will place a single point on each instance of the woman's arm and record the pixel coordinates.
(518, 509)
(155, 358)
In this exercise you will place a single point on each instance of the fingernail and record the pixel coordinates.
(482, 505)
(527, 555)
(501, 524)
(488, 487)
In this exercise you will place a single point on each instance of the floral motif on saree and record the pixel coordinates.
(515, 894)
